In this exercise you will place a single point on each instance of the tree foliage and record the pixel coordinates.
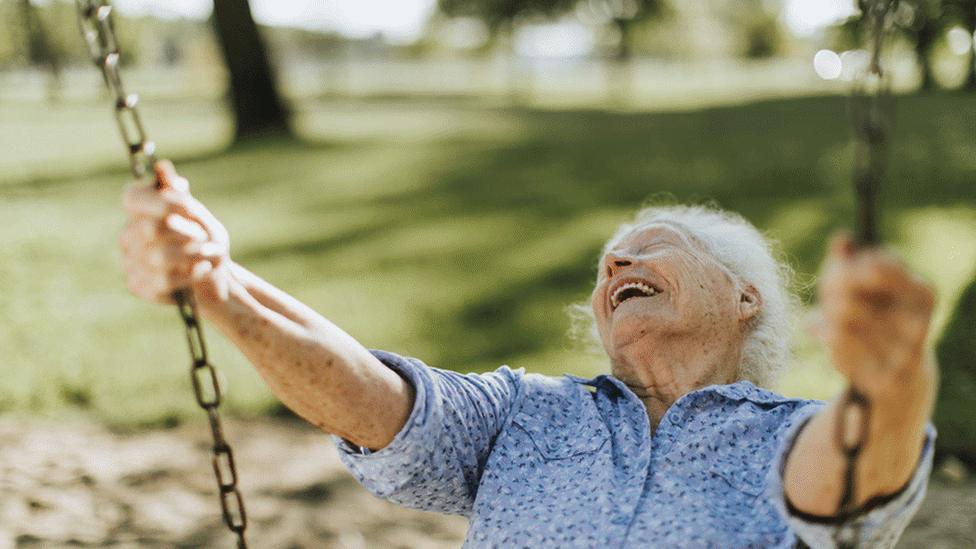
(499, 14)
(760, 33)
(624, 16)
(921, 23)
(963, 13)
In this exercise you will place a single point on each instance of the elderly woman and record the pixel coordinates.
(680, 446)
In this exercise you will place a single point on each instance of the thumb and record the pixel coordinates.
(842, 245)
(167, 178)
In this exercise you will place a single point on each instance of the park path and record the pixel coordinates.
(78, 484)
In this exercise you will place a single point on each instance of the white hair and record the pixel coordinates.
(751, 258)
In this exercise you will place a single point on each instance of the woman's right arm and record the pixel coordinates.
(316, 369)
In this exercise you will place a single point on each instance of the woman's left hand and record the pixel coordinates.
(876, 316)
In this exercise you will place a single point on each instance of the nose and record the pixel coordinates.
(615, 263)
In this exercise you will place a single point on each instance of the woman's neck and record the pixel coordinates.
(659, 384)
(655, 401)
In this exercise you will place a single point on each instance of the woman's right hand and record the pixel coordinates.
(322, 373)
(172, 242)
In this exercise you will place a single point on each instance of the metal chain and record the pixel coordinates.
(872, 110)
(855, 408)
(97, 27)
(872, 113)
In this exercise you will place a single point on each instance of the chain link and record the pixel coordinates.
(855, 409)
(97, 27)
(872, 116)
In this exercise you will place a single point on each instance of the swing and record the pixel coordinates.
(95, 20)
(871, 110)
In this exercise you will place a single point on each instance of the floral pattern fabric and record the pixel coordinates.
(537, 461)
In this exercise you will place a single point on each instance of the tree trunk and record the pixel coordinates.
(258, 108)
(955, 415)
(970, 84)
(621, 69)
(519, 79)
(923, 47)
(970, 25)
(40, 52)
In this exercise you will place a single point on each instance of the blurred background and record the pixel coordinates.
(437, 178)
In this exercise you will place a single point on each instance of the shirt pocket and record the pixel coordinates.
(742, 501)
(565, 437)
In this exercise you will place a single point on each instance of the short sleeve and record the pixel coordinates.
(880, 527)
(435, 462)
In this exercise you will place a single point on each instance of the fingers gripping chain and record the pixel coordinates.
(97, 28)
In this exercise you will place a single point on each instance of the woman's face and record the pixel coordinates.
(658, 287)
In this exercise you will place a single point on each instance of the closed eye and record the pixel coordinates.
(649, 247)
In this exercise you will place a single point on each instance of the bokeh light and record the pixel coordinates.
(853, 62)
(827, 64)
(960, 41)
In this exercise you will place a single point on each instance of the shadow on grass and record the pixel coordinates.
(120, 169)
(758, 159)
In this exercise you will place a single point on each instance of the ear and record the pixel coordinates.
(750, 303)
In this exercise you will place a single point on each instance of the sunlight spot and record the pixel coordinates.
(960, 41)
(853, 63)
(568, 38)
(807, 17)
(827, 65)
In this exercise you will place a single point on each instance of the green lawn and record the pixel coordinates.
(447, 230)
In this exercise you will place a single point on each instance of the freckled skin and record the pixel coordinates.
(689, 335)
(316, 369)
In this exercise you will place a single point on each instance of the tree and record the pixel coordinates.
(762, 35)
(954, 415)
(623, 17)
(500, 17)
(920, 22)
(964, 11)
(755, 23)
(40, 50)
(924, 26)
(258, 108)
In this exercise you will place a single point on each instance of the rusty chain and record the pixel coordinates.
(872, 116)
(97, 27)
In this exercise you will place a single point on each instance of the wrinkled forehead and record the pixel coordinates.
(666, 232)
(657, 232)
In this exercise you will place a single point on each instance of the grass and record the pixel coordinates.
(446, 230)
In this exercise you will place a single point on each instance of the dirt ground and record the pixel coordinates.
(79, 484)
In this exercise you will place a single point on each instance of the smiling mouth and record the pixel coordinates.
(630, 290)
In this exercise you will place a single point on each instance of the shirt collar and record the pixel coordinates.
(740, 390)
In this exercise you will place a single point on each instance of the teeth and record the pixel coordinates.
(647, 290)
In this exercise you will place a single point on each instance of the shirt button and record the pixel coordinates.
(620, 520)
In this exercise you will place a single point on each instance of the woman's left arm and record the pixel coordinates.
(876, 317)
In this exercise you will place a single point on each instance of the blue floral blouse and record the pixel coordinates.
(537, 461)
